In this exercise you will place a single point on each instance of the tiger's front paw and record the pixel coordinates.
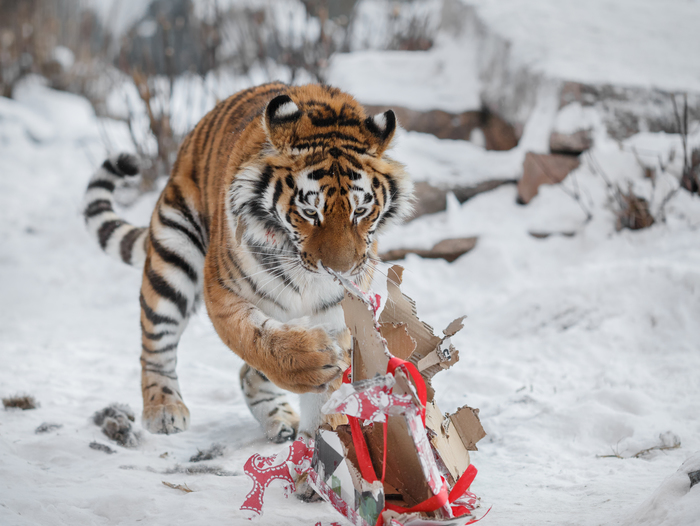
(305, 492)
(282, 429)
(166, 418)
(304, 360)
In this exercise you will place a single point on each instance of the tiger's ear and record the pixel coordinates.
(382, 126)
(280, 114)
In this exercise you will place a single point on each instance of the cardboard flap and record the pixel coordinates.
(400, 308)
(454, 327)
(404, 472)
(446, 441)
(398, 340)
(369, 353)
(442, 357)
(466, 422)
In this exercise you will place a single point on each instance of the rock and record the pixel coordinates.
(573, 128)
(577, 142)
(694, 477)
(46, 427)
(539, 169)
(690, 180)
(431, 199)
(451, 249)
(499, 134)
(628, 110)
(463, 193)
(545, 235)
(101, 447)
(448, 249)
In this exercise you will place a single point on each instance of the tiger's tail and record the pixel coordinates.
(117, 238)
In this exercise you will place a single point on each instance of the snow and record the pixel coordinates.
(453, 163)
(671, 503)
(645, 43)
(118, 15)
(574, 117)
(575, 347)
(439, 79)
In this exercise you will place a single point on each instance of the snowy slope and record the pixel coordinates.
(443, 78)
(645, 43)
(574, 347)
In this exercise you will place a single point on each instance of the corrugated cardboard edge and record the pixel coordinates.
(466, 422)
(446, 441)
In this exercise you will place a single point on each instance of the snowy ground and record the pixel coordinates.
(646, 43)
(574, 348)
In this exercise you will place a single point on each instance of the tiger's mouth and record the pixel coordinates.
(355, 274)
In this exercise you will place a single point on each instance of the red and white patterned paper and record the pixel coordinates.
(371, 400)
(264, 470)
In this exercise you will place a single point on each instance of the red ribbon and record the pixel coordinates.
(367, 469)
(408, 367)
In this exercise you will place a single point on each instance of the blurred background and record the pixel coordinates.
(158, 66)
(453, 69)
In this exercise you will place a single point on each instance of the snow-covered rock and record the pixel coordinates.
(674, 502)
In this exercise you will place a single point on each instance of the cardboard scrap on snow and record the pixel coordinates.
(421, 461)
(417, 457)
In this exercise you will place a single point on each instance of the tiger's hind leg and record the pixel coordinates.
(169, 291)
(269, 405)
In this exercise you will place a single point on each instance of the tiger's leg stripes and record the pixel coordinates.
(269, 405)
(311, 415)
(170, 290)
(117, 238)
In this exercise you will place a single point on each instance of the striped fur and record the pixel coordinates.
(115, 236)
(269, 405)
(272, 187)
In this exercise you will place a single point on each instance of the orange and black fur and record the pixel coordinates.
(272, 187)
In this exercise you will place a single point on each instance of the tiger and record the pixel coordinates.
(275, 189)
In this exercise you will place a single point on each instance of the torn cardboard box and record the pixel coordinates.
(399, 461)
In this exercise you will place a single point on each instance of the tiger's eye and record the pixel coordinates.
(360, 211)
(310, 212)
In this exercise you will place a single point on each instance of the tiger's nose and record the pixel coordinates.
(338, 256)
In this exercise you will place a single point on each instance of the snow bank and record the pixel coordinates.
(674, 502)
(624, 42)
(446, 77)
(439, 79)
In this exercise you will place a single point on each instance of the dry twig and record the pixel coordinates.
(659, 447)
(181, 487)
(23, 402)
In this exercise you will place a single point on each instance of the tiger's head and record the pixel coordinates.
(323, 182)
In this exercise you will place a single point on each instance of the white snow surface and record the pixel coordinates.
(574, 347)
(442, 78)
(646, 43)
